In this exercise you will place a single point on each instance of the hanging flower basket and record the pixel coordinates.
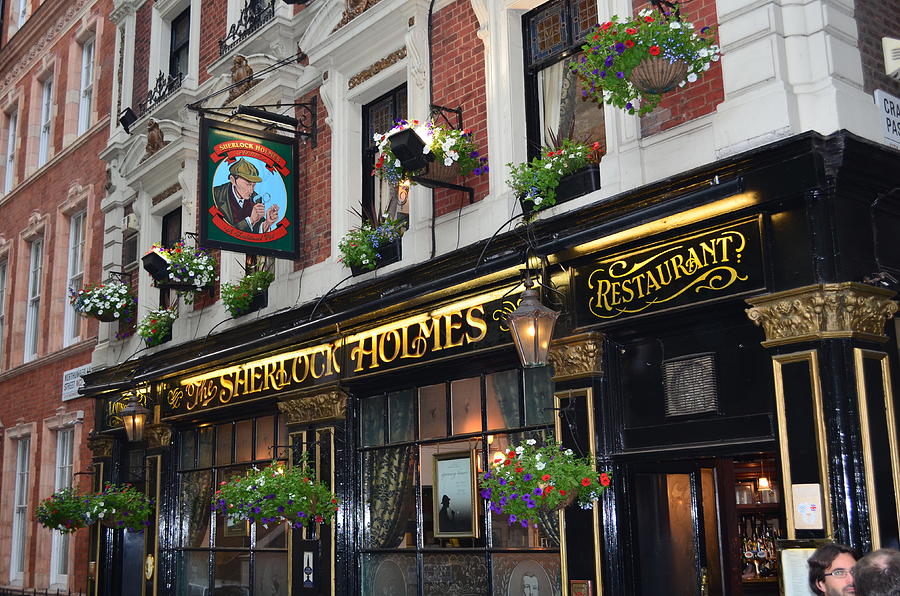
(555, 176)
(630, 62)
(527, 479)
(276, 494)
(248, 294)
(372, 245)
(156, 326)
(107, 302)
(64, 511)
(439, 172)
(121, 507)
(188, 269)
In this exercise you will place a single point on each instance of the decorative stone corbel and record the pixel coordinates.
(158, 436)
(577, 356)
(823, 311)
(330, 405)
(101, 446)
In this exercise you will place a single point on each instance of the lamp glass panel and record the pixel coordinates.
(538, 395)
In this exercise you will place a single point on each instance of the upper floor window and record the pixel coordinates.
(171, 233)
(9, 174)
(180, 45)
(20, 510)
(3, 275)
(21, 13)
(75, 276)
(32, 321)
(46, 114)
(59, 552)
(86, 93)
(555, 107)
(379, 196)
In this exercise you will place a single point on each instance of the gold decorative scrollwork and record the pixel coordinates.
(331, 405)
(823, 311)
(501, 313)
(577, 356)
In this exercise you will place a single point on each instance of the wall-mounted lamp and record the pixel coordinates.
(127, 118)
(134, 419)
(531, 325)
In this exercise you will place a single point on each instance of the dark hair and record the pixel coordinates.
(878, 573)
(821, 560)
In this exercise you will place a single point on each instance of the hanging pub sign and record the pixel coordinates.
(248, 190)
(707, 265)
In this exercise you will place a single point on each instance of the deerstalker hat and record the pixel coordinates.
(245, 170)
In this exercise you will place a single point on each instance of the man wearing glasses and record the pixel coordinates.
(830, 570)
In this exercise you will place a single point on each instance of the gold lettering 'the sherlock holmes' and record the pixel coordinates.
(634, 282)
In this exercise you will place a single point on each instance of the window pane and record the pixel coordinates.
(456, 574)
(393, 574)
(453, 503)
(243, 440)
(195, 493)
(389, 506)
(223, 444)
(534, 573)
(401, 412)
(204, 455)
(275, 536)
(283, 437)
(265, 438)
(270, 574)
(188, 449)
(502, 398)
(231, 534)
(465, 396)
(233, 570)
(372, 420)
(433, 411)
(193, 573)
(538, 396)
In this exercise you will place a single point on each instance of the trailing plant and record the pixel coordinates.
(156, 326)
(238, 295)
(525, 479)
(121, 506)
(64, 511)
(107, 301)
(276, 494)
(188, 266)
(536, 181)
(613, 50)
(362, 246)
(448, 145)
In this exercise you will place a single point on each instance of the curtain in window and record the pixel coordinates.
(389, 476)
(196, 491)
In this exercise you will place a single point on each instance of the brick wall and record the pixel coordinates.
(458, 74)
(314, 176)
(141, 65)
(876, 19)
(212, 29)
(698, 98)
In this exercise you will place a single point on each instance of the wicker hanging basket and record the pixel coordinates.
(439, 172)
(570, 498)
(656, 75)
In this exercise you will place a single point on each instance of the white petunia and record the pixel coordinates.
(691, 77)
(531, 442)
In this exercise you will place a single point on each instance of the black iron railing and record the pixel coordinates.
(254, 15)
(165, 86)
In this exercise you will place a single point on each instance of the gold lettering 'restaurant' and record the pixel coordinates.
(632, 283)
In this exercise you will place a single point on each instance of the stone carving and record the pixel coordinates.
(155, 139)
(240, 70)
(417, 46)
(158, 436)
(35, 226)
(823, 311)
(374, 69)
(577, 356)
(101, 446)
(353, 9)
(165, 194)
(315, 408)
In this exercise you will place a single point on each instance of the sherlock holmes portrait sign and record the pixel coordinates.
(707, 265)
(248, 190)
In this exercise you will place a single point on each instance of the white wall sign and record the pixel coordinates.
(72, 381)
(807, 507)
(889, 113)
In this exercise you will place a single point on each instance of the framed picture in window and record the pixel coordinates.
(236, 529)
(455, 506)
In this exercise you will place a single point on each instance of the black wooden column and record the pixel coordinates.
(835, 408)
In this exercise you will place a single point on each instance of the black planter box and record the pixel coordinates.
(387, 254)
(163, 339)
(259, 302)
(572, 186)
(156, 266)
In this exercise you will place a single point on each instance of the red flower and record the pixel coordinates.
(629, 43)
(562, 492)
(519, 470)
(631, 31)
(606, 25)
(547, 490)
(648, 19)
(654, 50)
(507, 462)
(596, 36)
(596, 146)
(585, 482)
(545, 477)
(604, 479)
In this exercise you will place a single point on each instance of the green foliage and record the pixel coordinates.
(157, 325)
(96, 300)
(64, 511)
(526, 479)
(276, 494)
(614, 48)
(121, 506)
(237, 296)
(536, 182)
(361, 246)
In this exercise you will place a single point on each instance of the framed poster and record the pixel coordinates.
(792, 556)
(248, 184)
(454, 495)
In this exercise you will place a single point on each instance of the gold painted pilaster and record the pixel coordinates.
(321, 407)
(577, 356)
(101, 446)
(823, 311)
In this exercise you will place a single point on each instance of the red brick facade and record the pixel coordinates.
(876, 19)
(315, 193)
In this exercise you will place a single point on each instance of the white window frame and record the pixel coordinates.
(12, 123)
(4, 274)
(59, 547)
(75, 276)
(86, 91)
(32, 318)
(20, 510)
(23, 13)
(46, 121)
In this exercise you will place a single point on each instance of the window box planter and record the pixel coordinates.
(259, 302)
(571, 186)
(387, 254)
(151, 342)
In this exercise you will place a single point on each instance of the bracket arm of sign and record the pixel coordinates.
(305, 127)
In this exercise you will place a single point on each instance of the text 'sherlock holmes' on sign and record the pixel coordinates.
(706, 265)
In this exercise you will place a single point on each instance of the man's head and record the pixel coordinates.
(530, 585)
(243, 176)
(878, 573)
(830, 570)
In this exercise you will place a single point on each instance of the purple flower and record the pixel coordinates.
(620, 75)
(602, 76)
(609, 60)
(280, 509)
(527, 477)
(514, 496)
(538, 492)
(473, 154)
(628, 106)
(255, 510)
(531, 504)
(620, 47)
(524, 523)
(502, 481)
(704, 30)
(512, 518)
(485, 493)
(584, 93)
(502, 501)
(487, 475)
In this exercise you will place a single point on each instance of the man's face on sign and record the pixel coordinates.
(242, 188)
(530, 585)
